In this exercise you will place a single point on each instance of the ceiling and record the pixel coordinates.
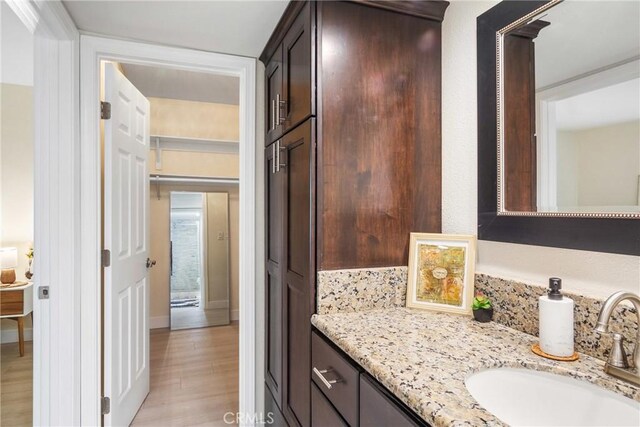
(585, 36)
(234, 27)
(607, 106)
(186, 85)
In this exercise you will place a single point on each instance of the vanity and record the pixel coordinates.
(376, 362)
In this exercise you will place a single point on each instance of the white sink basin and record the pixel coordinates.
(524, 397)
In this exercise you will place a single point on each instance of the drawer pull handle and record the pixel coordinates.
(326, 382)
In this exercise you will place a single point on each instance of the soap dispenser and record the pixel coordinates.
(556, 321)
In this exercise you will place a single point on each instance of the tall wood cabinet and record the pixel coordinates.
(353, 160)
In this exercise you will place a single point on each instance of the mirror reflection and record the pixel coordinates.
(570, 91)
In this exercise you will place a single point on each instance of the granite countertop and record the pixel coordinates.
(424, 358)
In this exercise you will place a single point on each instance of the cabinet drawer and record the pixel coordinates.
(378, 410)
(11, 302)
(322, 413)
(342, 378)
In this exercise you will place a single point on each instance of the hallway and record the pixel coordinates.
(194, 377)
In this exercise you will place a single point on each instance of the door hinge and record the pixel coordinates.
(106, 258)
(105, 110)
(105, 404)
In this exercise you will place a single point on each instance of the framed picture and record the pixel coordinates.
(441, 272)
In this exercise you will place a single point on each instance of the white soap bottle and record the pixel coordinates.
(556, 321)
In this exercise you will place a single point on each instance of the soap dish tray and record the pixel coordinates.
(537, 350)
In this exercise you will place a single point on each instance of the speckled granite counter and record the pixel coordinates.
(425, 357)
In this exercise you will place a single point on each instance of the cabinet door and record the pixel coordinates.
(322, 413)
(299, 269)
(275, 253)
(378, 410)
(274, 97)
(298, 70)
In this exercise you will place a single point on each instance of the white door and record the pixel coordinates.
(126, 235)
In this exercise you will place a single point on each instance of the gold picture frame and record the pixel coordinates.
(441, 272)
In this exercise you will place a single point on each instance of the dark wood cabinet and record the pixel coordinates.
(273, 86)
(520, 148)
(350, 396)
(353, 159)
(299, 169)
(290, 73)
(379, 167)
(378, 408)
(322, 413)
(274, 196)
(290, 275)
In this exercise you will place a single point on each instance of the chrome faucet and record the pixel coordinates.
(617, 365)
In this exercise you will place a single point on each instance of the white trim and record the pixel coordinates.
(56, 345)
(546, 131)
(26, 12)
(94, 49)
(11, 335)
(593, 80)
(158, 322)
(56, 146)
(204, 245)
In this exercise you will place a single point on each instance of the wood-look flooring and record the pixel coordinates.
(16, 385)
(194, 377)
(196, 317)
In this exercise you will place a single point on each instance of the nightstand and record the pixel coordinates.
(16, 303)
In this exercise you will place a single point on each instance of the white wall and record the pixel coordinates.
(607, 159)
(17, 49)
(593, 273)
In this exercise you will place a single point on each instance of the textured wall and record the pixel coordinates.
(592, 273)
(173, 117)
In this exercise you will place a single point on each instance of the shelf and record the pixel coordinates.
(178, 143)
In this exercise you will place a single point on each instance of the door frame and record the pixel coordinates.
(56, 323)
(93, 49)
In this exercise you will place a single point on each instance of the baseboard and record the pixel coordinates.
(154, 323)
(217, 304)
(11, 335)
(159, 322)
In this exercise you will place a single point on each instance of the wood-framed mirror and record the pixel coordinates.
(529, 154)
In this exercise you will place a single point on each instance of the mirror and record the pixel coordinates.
(568, 122)
(503, 99)
(199, 259)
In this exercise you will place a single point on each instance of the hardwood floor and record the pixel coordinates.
(16, 385)
(195, 317)
(194, 377)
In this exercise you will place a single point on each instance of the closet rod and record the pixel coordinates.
(176, 179)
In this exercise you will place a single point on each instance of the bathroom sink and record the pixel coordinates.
(524, 397)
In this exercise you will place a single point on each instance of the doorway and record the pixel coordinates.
(93, 50)
(199, 260)
(166, 130)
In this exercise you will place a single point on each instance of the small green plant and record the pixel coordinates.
(481, 302)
